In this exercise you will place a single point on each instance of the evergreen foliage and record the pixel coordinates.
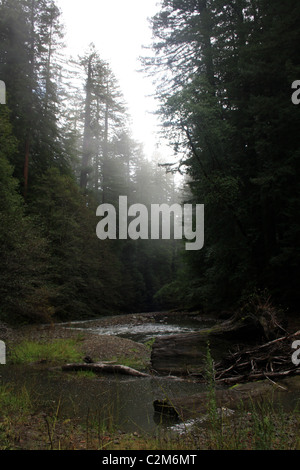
(224, 71)
(65, 147)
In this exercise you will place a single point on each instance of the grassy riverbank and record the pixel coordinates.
(25, 423)
(23, 426)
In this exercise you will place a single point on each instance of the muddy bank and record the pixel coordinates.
(239, 397)
(134, 400)
(98, 347)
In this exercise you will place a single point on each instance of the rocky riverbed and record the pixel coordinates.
(107, 348)
(98, 347)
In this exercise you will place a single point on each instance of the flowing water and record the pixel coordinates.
(125, 401)
(142, 332)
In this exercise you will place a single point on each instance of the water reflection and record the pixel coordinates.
(125, 401)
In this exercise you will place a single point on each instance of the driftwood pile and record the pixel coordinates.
(272, 360)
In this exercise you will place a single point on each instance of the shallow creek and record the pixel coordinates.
(142, 330)
(126, 402)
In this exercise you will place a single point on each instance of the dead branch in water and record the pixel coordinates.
(270, 360)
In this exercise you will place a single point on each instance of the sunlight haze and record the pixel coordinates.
(119, 30)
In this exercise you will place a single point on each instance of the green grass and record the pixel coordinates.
(12, 401)
(259, 427)
(15, 407)
(262, 425)
(56, 351)
(256, 427)
(150, 343)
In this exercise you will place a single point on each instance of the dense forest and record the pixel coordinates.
(224, 72)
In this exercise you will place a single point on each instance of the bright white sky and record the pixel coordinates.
(119, 29)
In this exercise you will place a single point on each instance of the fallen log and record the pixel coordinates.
(197, 406)
(100, 367)
(186, 353)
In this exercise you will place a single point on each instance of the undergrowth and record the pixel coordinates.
(55, 351)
